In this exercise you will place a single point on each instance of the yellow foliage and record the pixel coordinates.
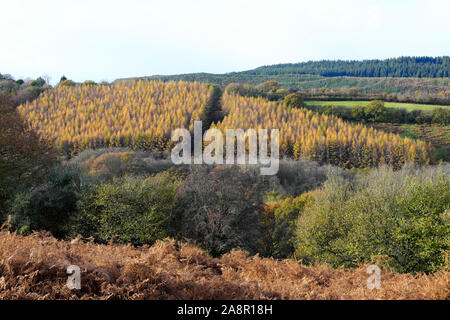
(323, 138)
(84, 117)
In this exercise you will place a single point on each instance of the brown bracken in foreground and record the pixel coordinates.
(34, 267)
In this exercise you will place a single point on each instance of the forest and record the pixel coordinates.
(409, 67)
(85, 171)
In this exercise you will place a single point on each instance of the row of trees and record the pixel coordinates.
(274, 90)
(420, 67)
(375, 111)
(15, 92)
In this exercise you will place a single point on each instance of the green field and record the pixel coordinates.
(407, 106)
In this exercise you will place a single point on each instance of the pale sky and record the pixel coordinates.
(106, 39)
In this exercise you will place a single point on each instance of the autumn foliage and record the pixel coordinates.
(305, 134)
(34, 267)
(140, 114)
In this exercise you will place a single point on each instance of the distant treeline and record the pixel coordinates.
(419, 67)
(14, 92)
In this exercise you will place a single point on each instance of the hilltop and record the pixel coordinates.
(397, 75)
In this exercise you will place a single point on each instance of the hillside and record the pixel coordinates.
(34, 267)
(142, 115)
(418, 67)
(403, 75)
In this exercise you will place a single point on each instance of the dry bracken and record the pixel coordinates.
(34, 267)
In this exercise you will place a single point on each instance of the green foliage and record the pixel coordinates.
(128, 210)
(293, 100)
(39, 82)
(395, 67)
(51, 206)
(398, 214)
(212, 112)
(359, 113)
(441, 116)
(25, 158)
(269, 86)
(375, 111)
(279, 222)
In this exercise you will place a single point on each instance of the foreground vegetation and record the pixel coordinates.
(34, 267)
(311, 212)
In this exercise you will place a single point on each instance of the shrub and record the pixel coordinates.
(293, 100)
(297, 177)
(441, 116)
(397, 214)
(67, 83)
(279, 221)
(220, 208)
(51, 206)
(375, 111)
(397, 115)
(25, 158)
(128, 210)
(358, 113)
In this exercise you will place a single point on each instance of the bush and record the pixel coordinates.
(293, 100)
(396, 115)
(358, 113)
(25, 158)
(102, 165)
(398, 214)
(297, 177)
(220, 208)
(441, 116)
(51, 206)
(129, 210)
(279, 221)
(67, 83)
(375, 111)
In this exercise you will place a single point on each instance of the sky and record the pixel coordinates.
(107, 39)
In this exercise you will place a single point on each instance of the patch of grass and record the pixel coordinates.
(407, 106)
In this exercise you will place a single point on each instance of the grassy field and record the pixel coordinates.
(407, 106)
